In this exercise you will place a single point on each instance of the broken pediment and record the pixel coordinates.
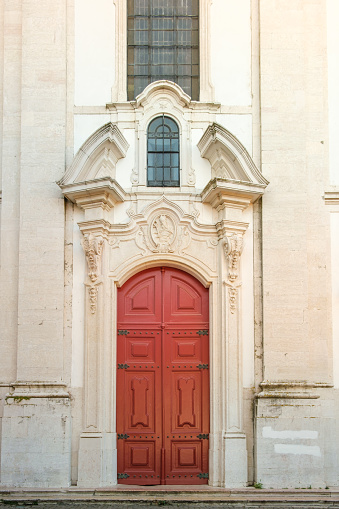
(90, 180)
(228, 157)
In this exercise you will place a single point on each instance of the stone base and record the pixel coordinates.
(235, 455)
(36, 442)
(290, 442)
(97, 460)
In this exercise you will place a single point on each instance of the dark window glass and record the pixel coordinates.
(163, 43)
(163, 153)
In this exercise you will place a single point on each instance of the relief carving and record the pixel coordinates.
(233, 247)
(163, 232)
(233, 294)
(93, 297)
(93, 249)
(162, 236)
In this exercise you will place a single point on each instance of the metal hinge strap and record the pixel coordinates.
(123, 476)
(203, 436)
(202, 332)
(123, 366)
(122, 436)
(202, 366)
(123, 332)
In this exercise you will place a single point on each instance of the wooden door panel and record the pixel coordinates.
(141, 348)
(141, 462)
(139, 299)
(187, 299)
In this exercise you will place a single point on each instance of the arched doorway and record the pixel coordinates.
(162, 379)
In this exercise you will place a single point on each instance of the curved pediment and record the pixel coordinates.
(97, 157)
(163, 87)
(228, 157)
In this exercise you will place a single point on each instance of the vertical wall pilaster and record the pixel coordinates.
(234, 439)
(97, 442)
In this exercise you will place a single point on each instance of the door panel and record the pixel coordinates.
(162, 379)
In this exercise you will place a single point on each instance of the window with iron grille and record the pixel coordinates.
(163, 44)
(163, 153)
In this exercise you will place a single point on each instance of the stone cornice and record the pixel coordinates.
(103, 193)
(220, 191)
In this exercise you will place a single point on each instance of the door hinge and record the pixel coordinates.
(202, 332)
(123, 366)
(203, 476)
(122, 436)
(203, 436)
(123, 332)
(202, 366)
(123, 476)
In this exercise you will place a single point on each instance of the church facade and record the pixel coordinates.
(169, 243)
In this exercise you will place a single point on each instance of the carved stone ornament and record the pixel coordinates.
(93, 249)
(162, 230)
(233, 294)
(233, 247)
(93, 297)
(162, 236)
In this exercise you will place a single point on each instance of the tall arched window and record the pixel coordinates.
(163, 153)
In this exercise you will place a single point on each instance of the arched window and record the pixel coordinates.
(163, 153)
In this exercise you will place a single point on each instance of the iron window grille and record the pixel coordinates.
(162, 44)
(163, 153)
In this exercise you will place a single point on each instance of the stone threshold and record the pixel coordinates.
(139, 494)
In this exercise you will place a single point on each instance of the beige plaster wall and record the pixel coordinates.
(296, 263)
(42, 160)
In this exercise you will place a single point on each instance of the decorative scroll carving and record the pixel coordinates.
(233, 246)
(93, 297)
(131, 211)
(93, 249)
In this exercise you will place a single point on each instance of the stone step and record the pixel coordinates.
(197, 497)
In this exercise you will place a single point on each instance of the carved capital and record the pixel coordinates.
(233, 246)
(93, 247)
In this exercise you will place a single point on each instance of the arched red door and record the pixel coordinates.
(162, 379)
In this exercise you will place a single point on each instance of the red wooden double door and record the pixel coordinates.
(162, 379)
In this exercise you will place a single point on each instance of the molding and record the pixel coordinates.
(24, 391)
(291, 390)
(331, 197)
(300, 385)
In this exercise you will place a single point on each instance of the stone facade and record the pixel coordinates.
(254, 220)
